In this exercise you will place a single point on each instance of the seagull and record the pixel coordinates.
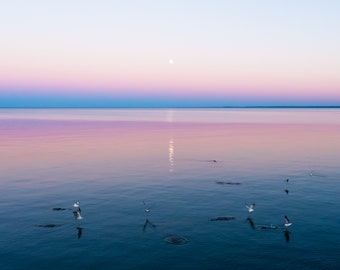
(76, 204)
(147, 209)
(251, 207)
(287, 222)
(77, 214)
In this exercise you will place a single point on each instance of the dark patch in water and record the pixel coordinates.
(222, 219)
(267, 227)
(227, 183)
(286, 234)
(48, 225)
(176, 240)
(148, 223)
(251, 223)
(80, 231)
(60, 209)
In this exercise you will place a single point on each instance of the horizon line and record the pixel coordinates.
(181, 107)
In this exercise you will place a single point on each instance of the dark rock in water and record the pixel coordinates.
(59, 209)
(233, 183)
(210, 160)
(48, 225)
(176, 240)
(220, 182)
(267, 227)
(222, 219)
(227, 183)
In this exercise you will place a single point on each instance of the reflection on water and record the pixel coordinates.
(171, 155)
(79, 232)
(113, 161)
(287, 235)
(148, 223)
(176, 240)
(251, 223)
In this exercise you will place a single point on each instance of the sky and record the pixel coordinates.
(176, 53)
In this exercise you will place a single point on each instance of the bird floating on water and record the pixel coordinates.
(251, 207)
(287, 222)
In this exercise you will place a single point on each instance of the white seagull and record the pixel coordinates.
(287, 222)
(76, 204)
(147, 209)
(251, 207)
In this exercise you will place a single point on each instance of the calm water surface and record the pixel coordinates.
(113, 160)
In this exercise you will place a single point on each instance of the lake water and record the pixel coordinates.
(189, 167)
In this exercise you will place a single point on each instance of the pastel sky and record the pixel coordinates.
(176, 53)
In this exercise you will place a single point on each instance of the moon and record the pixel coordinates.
(171, 61)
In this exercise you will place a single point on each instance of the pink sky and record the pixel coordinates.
(237, 54)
